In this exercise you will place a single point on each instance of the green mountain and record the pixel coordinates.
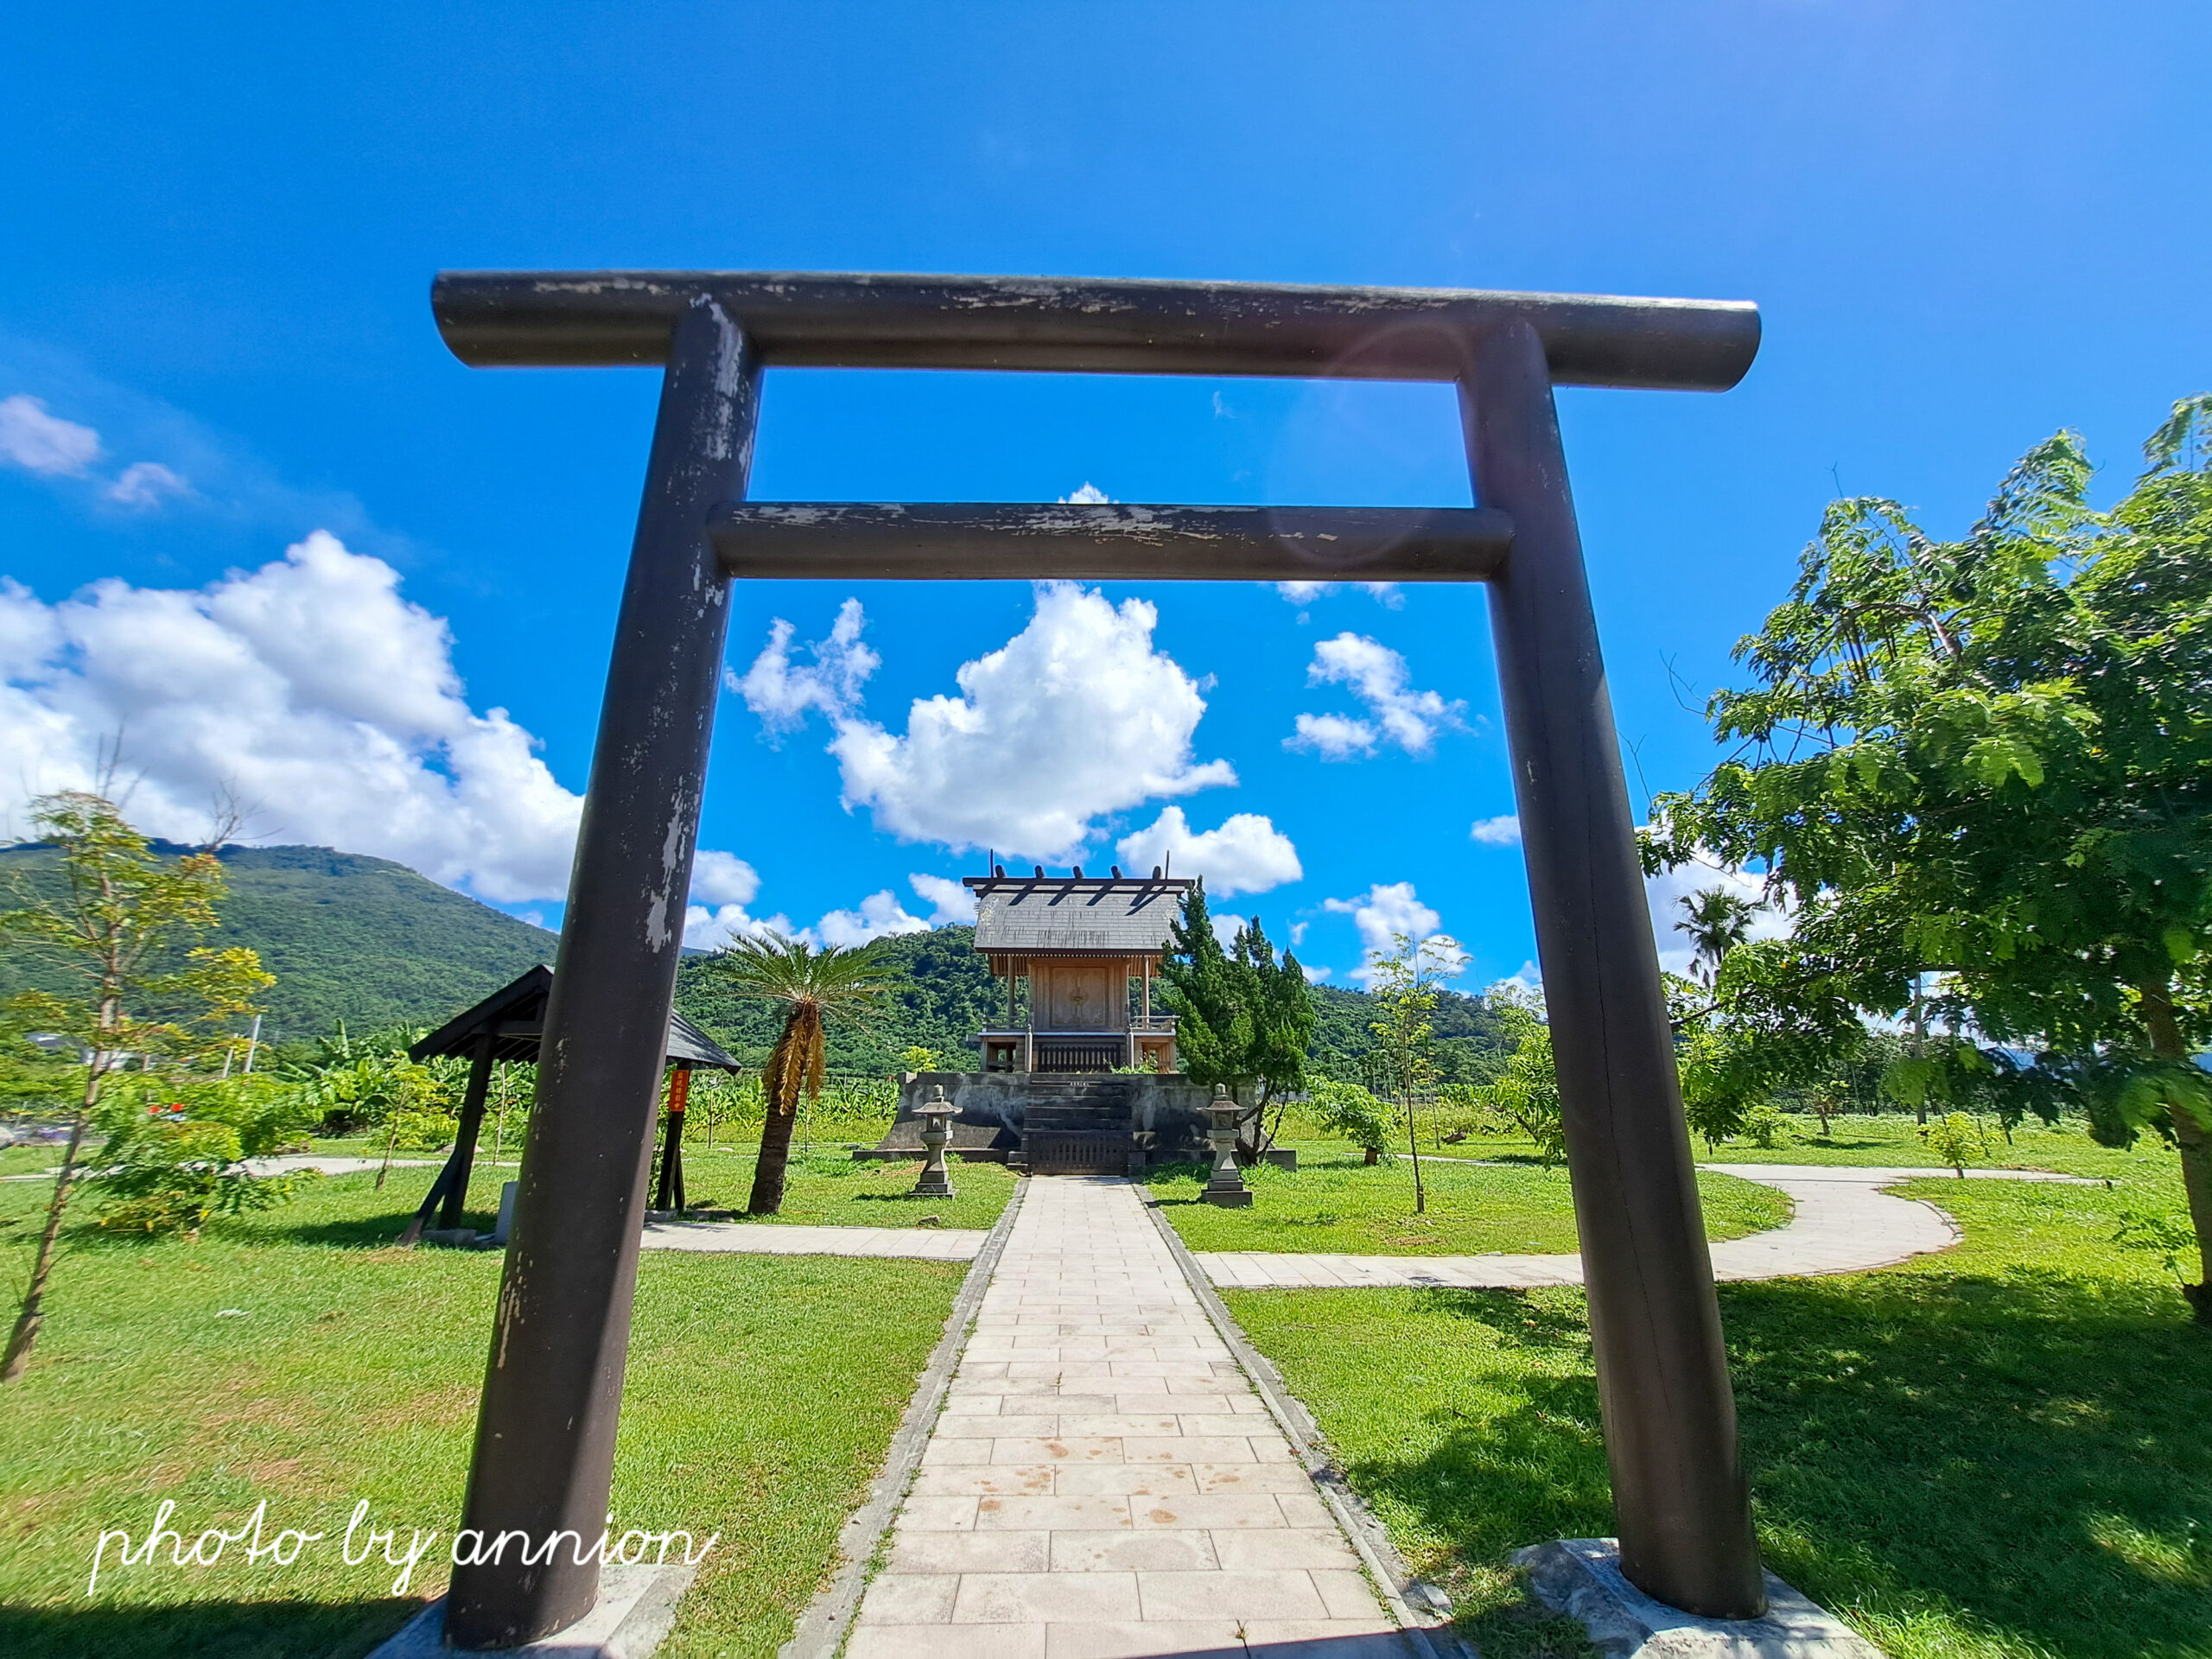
(942, 994)
(349, 938)
(371, 942)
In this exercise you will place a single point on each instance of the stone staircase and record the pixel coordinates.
(1077, 1126)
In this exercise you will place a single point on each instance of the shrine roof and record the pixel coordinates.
(1076, 915)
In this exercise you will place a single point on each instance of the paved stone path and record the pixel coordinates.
(1105, 1482)
(1843, 1223)
(756, 1238)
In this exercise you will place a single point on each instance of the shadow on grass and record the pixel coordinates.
(2012, 1464)
(351, 1233)
(236, 1629)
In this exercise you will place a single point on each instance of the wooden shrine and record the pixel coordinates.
(1078, 954)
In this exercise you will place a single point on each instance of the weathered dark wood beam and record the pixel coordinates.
(1090, 542)
(1074, 325)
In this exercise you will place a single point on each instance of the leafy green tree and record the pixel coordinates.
(119, 936)
(1347, 1109)
(1244, 1018)
(1990, 760)
(1404, 990)
(815, 988)
(1528, 1093)
(1958, 1139)
(175, 1149)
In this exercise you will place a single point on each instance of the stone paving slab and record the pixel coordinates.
(1842, 1222)
(757, 1238)
(1105, 1482)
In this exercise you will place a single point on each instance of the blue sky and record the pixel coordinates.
(1966, 225)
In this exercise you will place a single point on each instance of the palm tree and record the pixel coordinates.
(815, 988)
(1717, 921)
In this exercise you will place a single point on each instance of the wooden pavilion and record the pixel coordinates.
(507, 1026)
(1079, 954)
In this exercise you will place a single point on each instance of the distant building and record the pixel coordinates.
(1078, 954)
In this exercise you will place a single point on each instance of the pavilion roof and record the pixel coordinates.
(1076, 915)
(514, 1016)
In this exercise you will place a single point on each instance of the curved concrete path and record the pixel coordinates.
(1842, 1222)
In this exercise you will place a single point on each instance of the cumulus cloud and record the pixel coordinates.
(723, 887)
(1333, 737)
(1247, 854)
(1376, 676)
(880, 916)
(1304, 593)
(1089, 495)
(948, 901)
(40, 442)
(309, 691)
(146, 484)
(781, 694)
(1382, 914)
(1528, 983)
(1075, 717)
(1503, 831)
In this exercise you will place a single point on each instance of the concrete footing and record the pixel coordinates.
(635, 1611)
(1581, 1578)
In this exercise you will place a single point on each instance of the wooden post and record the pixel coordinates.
(464, 1140)
(672, 1153)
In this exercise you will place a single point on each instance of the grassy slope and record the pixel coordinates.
(352, 1373)
(1998, 1452)
(349, 938)
(1335, 1204)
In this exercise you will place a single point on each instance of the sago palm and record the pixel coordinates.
(815, 986)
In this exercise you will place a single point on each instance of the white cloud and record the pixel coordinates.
(948, 900)
(1376, 675)
(723, 886)
(781, 695)
(1225, 926)
(146, 484)
(880, 916)
(1664, 891)
(1314, 975)
(1247, 854)
(40, 442)
(1089, 495)
(1335, 737)
(1526, 984)
(309, 691)
(1075, 717)
(1304, 593)
(1503, 831)
(1383, 912)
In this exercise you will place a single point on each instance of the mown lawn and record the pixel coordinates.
(1335, 1203)
(1998, 1452)
(292, 1357)
(834, 1189)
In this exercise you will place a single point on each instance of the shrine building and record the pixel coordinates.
(1078, 954)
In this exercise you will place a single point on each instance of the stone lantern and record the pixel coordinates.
(937, 1115)
(1226, 1186)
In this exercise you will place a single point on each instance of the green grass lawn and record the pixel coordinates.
(835, 1189)
(291, 1356)
(1334, 1202)
(1996, 1452)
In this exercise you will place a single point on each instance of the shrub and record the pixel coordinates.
(175, 1151)
(1347, 1109)
(1766, 1127)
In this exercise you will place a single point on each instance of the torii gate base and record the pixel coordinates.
(552, 1393)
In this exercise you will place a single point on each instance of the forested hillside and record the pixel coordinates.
(371, 942)
(349, 938)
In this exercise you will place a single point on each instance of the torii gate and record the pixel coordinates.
(545, 1433)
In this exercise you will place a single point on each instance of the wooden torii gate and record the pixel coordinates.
(545, 1433)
